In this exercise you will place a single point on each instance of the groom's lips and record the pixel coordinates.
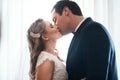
(59, 30)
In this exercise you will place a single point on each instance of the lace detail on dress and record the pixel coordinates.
(60, 70)
(43, 57)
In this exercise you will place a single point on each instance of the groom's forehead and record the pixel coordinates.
(54, 15)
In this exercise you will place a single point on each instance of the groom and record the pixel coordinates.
(91, 53)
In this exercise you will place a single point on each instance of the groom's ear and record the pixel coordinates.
(44, 37)
(66, 11)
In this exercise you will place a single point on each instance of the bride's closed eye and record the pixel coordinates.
(51, 26)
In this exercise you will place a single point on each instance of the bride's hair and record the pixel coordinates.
(36, 44)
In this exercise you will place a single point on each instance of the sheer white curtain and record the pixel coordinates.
(12, 42)
(17, 15)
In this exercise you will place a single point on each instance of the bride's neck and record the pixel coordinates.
(50, 47)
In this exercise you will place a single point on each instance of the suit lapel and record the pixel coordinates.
(76, 36)
(78, 32)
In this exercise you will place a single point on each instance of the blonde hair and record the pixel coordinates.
(36, 44)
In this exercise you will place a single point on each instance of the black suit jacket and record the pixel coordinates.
(91, 53)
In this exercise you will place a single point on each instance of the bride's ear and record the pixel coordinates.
(44, 37)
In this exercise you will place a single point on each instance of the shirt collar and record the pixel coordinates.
(80, 24)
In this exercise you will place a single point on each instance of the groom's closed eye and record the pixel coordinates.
(54, 20)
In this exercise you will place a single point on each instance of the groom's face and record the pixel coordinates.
(61, 22)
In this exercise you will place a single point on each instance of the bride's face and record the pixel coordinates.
(51, 31)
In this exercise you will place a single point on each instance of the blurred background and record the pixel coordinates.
(17, 15)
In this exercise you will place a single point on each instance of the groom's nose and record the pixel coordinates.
(57, 27)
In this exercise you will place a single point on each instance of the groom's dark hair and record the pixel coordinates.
(73, 6)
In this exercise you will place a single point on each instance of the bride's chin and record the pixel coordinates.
(60, 36)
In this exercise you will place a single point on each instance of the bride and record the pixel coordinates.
(45, 64)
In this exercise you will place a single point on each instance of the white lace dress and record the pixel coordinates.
(60, 70)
